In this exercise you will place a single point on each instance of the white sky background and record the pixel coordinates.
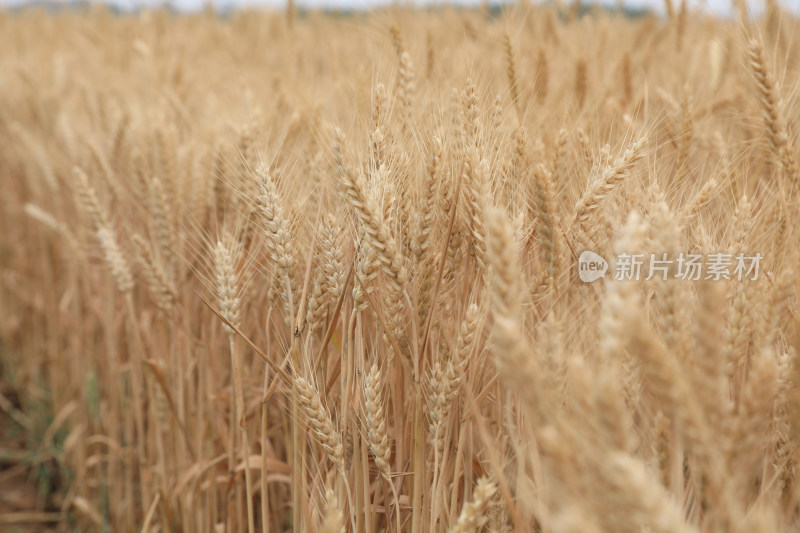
(719, 7)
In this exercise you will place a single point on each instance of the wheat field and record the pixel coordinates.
(304, 271)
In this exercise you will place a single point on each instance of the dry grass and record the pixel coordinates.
(319, 273)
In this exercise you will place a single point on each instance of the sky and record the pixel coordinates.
(719, 7)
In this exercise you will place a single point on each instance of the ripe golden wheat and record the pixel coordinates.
(318, 272)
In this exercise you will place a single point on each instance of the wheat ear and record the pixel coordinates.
(405, 82)
(474, 514)
(511, 72)
(512, 355)
(334, 518)
(546, 218)
(278, 233)
(375, 420)
(606, 179)
(377, 437)
(478, 196)
(321, 424)
(228, 289)
(159, 283)
(381, 240)
(774, 121)
(424, 239)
